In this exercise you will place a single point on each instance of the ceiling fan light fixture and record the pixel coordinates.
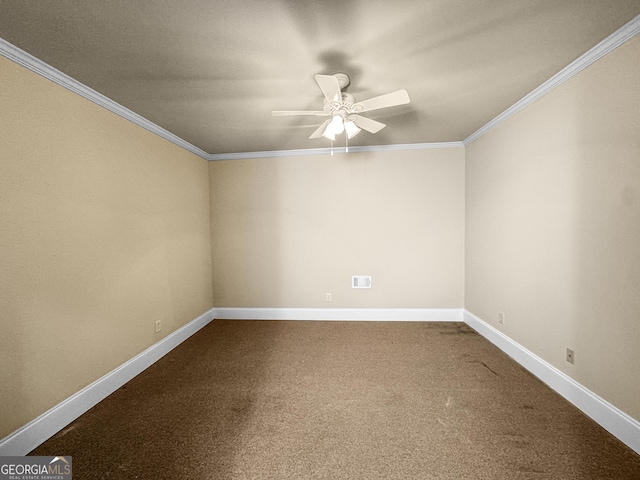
(329, 133)
(335, 127)
(337, 124)
(352, 129)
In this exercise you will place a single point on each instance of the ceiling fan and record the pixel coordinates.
(344, 111)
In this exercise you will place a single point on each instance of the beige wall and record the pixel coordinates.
(104, 228)
(285, 231)
(553, 227)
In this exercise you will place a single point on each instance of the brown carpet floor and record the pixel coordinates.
(338, 400)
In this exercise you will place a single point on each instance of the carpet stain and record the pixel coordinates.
(490, 369)
(485, 366)
(458, 330)
(242, 407)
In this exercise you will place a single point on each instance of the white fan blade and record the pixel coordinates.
(284, 113)
(318, 133)
(367, 124)
(330, 87)
(392, 99)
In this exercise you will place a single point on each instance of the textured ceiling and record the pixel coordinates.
(212, 71)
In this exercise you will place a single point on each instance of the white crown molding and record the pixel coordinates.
(47, 71)
(613, 41)
(612, 419)
(328, 151)
(343, 314)
(25, 439)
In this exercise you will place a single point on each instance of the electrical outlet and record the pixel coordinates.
(570, 356)
(327, 297)
(158, 324)
(501, 318)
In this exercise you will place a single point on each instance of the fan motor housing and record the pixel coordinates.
(346, 103)
(343, 79)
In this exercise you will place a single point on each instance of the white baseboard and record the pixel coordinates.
(612, 419)
(343, 314)
(25, 439)
(619, 424)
